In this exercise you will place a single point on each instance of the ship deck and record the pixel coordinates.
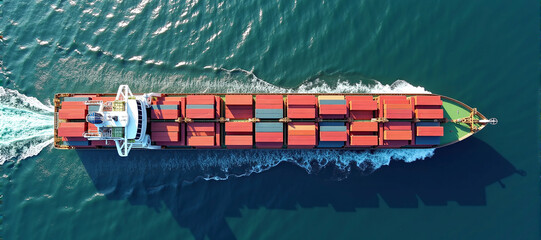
(282, 121)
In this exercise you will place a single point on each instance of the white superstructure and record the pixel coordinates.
(122, 120)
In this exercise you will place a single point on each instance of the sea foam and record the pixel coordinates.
(26, 125)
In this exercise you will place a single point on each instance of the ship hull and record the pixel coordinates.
(280, 121)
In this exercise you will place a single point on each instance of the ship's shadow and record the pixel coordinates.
(458, 173)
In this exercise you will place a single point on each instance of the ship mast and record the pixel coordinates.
(471, 121)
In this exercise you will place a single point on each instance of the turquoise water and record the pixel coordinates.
(484, 53)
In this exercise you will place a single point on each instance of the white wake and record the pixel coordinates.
(26, 126)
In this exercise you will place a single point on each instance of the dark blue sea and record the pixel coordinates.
(483, 53)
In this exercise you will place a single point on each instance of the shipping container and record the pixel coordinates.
(363, 127)
(72, 113)
(430, 131)
(72, 129)
(241, 100)
(363, 140)
(303, 100)
(397, 135)
(301, 134)
(200, 141)
(428, 100)
(241, 127)
(429, 113)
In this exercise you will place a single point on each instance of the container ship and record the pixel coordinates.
(125, 121)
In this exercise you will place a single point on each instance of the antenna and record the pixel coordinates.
(492, 121)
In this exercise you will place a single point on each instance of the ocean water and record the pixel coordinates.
(484, 53)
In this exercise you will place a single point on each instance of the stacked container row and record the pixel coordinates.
(203, 134)
(269, 134)
(301, 106)
(239, 134)
(301, 135)
(269, 106)
(168, 133)
(363, 134)
(73, 108)
(428, 107)
(203, 106)
(332, 107)
(239, 106)
(361, 107)
(332, 134)
(167, 108)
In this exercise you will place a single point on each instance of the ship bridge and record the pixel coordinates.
(122, 121)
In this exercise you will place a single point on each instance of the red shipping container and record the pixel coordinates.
(428, 100)
(363, 105)
(200, 99)
(164, 114)
(245, 127)
(238, 140)
(72, 129)
(200, 127)
(397, 135)
(363, 127)
(200, 113)
(429, 113)
(333, 136)
(301, 140)
(200, 141)
(269, 137)
(79, 105)
(72, 113)
(238, 112)
(436, 131)
(164, 127)
(309, 100)
(332, 109)
(398, 114)
(360, 140)
(164, 136)
(242, 100)
(301, 111)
